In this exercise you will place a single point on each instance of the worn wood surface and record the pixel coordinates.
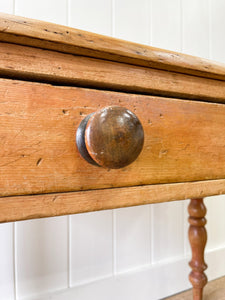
(48, 205)
(197, 237)
(184, 140)
(45, 35)
(20, 62)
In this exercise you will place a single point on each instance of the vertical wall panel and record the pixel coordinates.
(216, 221)
(216, 205)
(132, 233)
(91, 234)
(47, 10)
(167, 231)
(43, 268)
(187, 247)
(132, 226)
(195, 27)
(91, 246)
(165, 24)
(94, 16)
(41, 256)
(131, 19)
(217, 30)
(6, 6)
(6, 262)
(195, 41)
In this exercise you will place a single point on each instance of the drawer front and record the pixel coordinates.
(184, 140)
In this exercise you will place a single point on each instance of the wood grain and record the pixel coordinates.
(48, 205)
(40, 34)
(184, 140)
(19, 62)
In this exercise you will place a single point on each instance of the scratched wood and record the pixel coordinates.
(184, 140)
(50, 66)
(23, 31)
(49, 205)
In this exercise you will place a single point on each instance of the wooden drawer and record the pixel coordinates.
(179, 100)
(184, 140)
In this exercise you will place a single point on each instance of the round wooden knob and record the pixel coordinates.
(112, 137)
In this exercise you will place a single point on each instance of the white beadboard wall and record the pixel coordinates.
(131, 253)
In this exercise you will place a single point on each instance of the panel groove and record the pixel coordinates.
(114, 237)
(68, 251)
(15, 260)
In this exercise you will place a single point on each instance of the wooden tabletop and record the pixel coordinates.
(46, 35)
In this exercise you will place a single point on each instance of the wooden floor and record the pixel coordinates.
(215, 290)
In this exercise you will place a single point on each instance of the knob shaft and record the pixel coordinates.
(112, 137)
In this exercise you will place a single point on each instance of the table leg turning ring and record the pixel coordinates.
(197, 237)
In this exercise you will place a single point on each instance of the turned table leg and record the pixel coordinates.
(197, 237)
